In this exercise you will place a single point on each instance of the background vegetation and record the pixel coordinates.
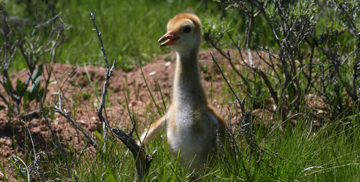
(131, 27)
(310, 48)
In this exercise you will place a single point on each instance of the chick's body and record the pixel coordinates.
(193, 128)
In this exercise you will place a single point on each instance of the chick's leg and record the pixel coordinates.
(153, 130)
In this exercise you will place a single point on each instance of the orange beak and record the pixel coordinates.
(169, 38)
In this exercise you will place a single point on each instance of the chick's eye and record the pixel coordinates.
(187, 30)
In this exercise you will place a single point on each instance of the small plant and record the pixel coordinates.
(86, 95)
(34, 48)
(33, 93)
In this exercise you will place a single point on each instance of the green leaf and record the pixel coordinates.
(8, 85)
(31, 96)
(19, 86)
(3, 172)
(38, 71)
(17, 168)
(109, 175)
(2, 107)
(37, 84)
(97, 134)
(41, 94)
(26, 97)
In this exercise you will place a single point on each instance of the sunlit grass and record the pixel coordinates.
(130, 29)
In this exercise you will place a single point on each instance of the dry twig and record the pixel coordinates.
(50, 128)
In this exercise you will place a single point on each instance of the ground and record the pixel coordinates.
(82, 86)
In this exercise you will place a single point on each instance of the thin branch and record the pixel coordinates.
(249, 35)
(35, 163)
(4, 99)
(51, 58)
(50, 20)
(92, 17)
(268, 84)
(107, 78)
(261, 9)
(49, 126)
(143, 161)
(66, 115)
(241, 102)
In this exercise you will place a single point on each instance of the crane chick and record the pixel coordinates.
(192, 126)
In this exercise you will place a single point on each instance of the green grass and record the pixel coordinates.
(130, 29)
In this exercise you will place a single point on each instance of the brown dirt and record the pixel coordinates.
(80, 99)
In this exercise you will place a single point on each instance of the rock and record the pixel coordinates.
(95, 118)
(167, 64)
(82, 122)
(34, 122)
(8, 142)
(35, 130)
